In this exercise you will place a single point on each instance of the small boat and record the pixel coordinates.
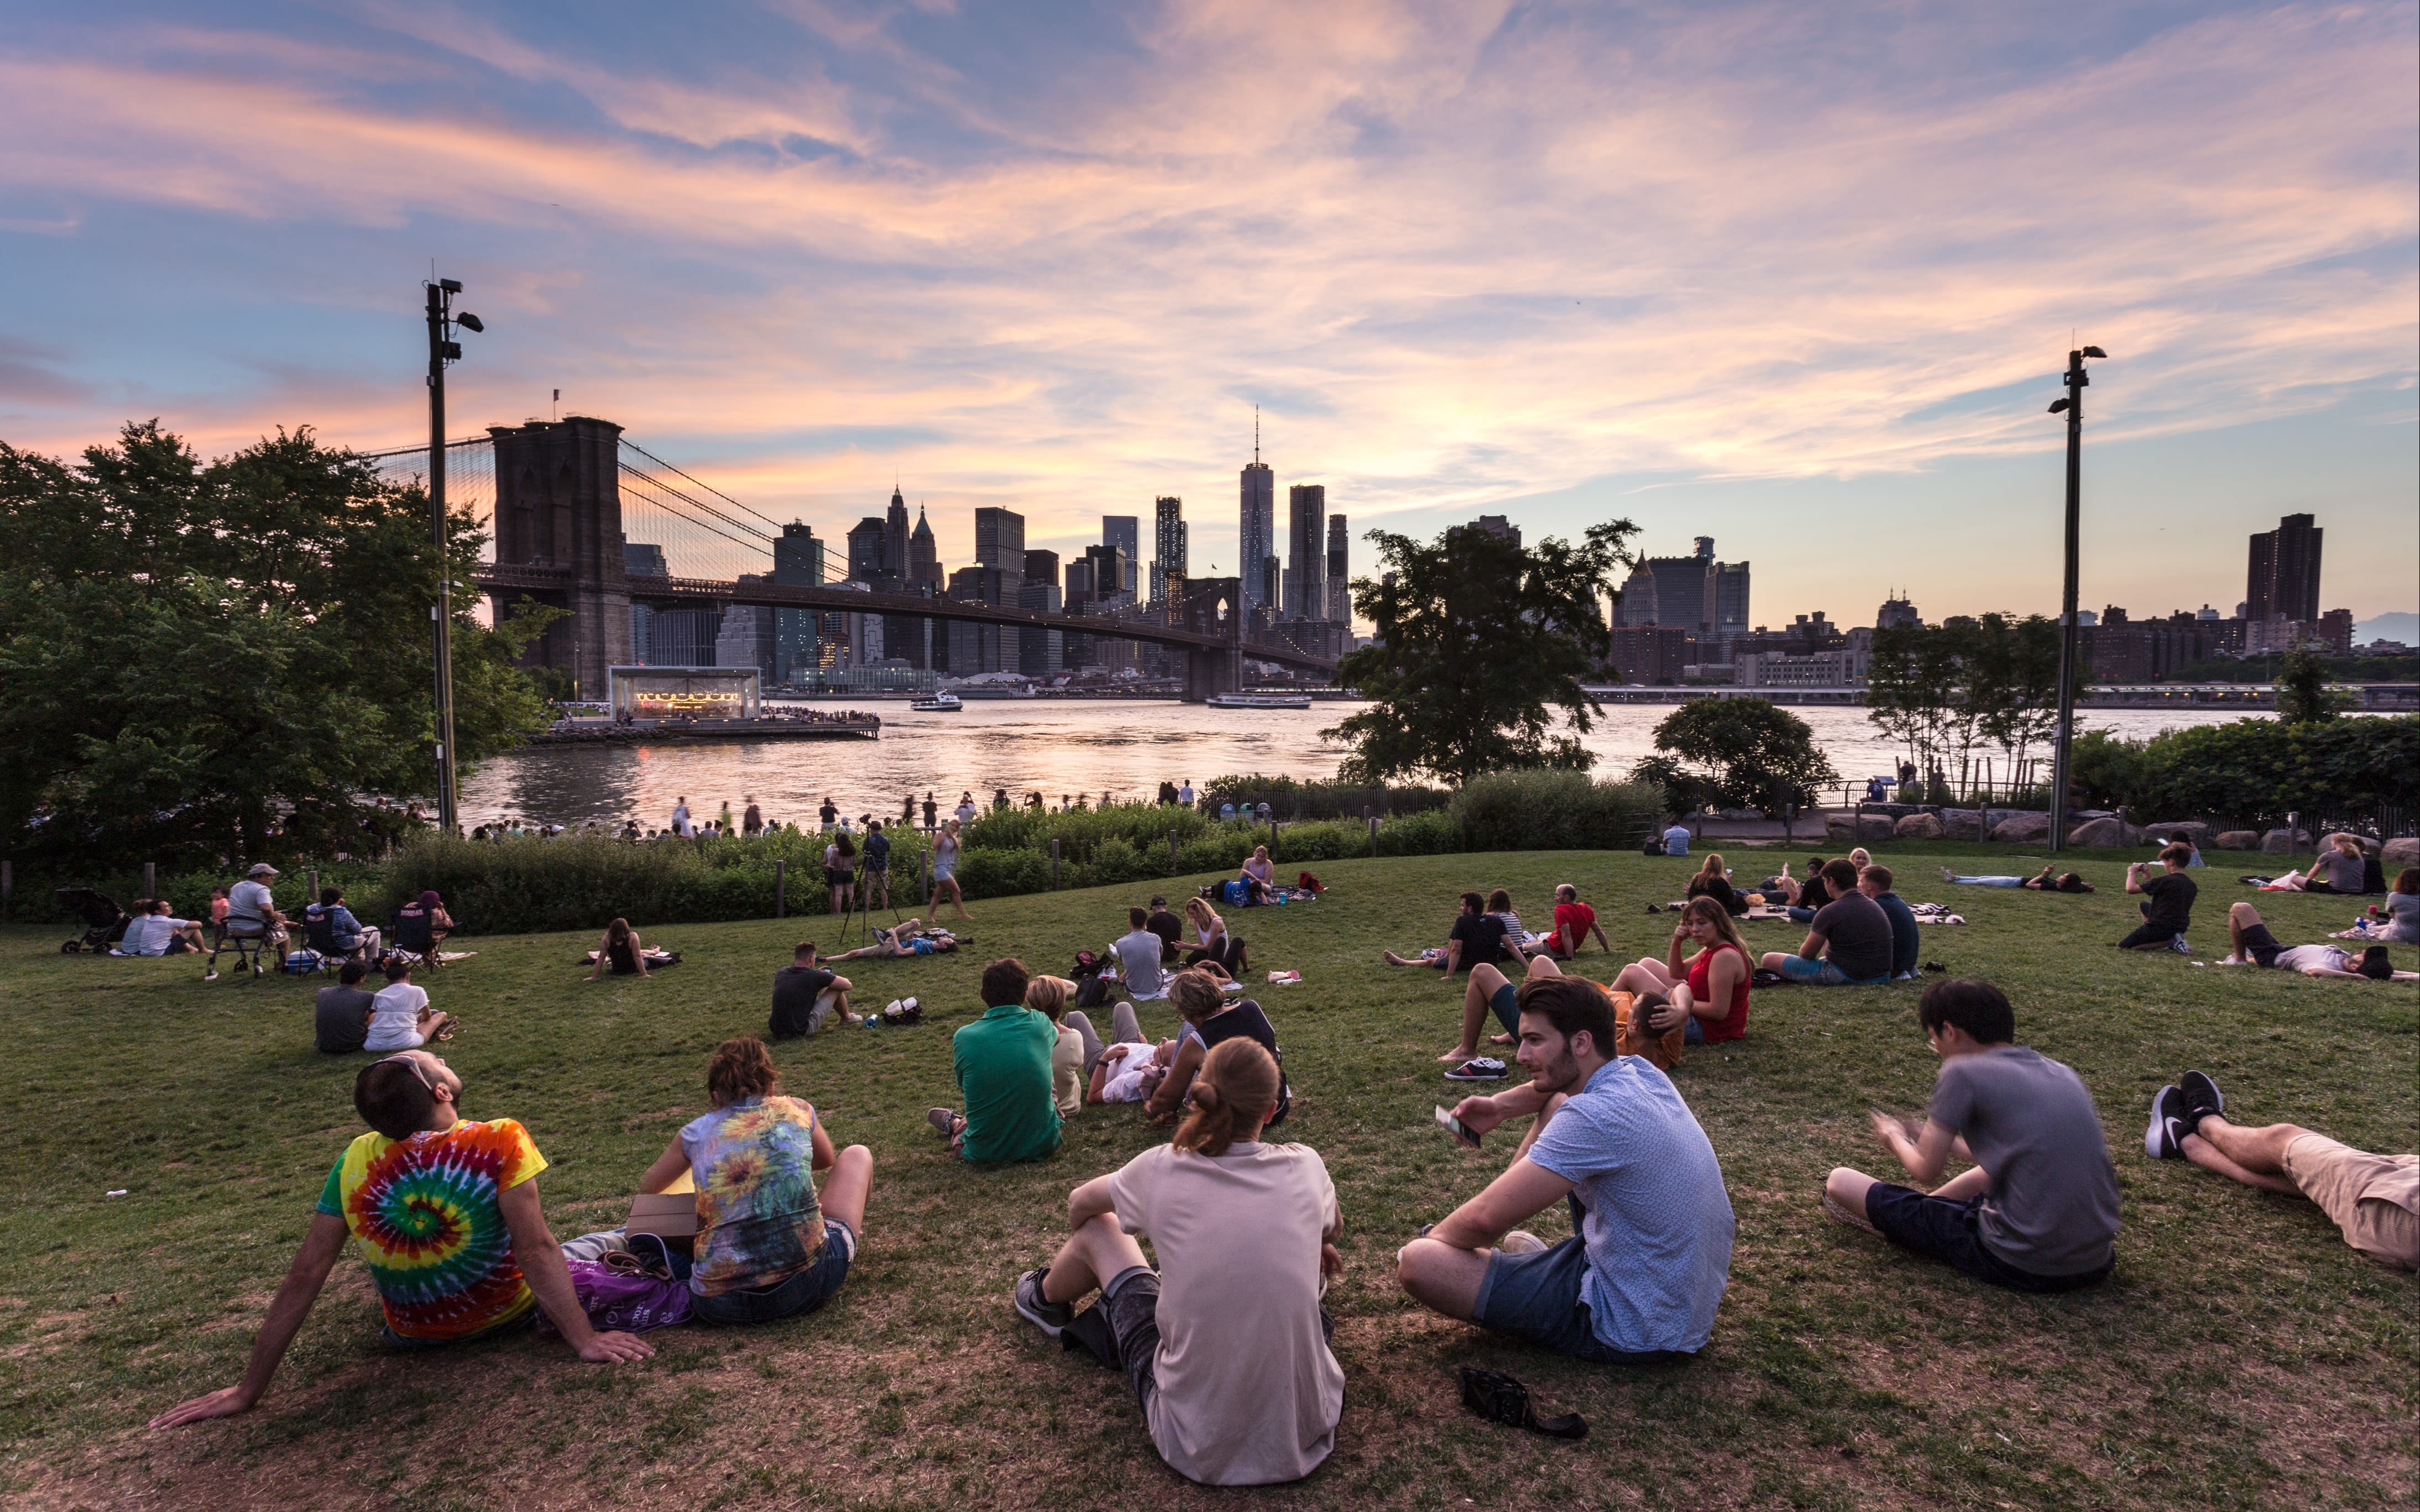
(1259, 701)
(938, 704)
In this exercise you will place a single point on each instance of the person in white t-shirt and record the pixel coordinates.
(1226, 1346)
(400, 1017)
(153, 931)
(682, 825)
(1185, 793)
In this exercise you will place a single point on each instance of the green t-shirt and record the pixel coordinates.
(1003, 1061)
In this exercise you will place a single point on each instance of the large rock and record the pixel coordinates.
(2105, 833)
(2327, 842)
(2398, 855)
(1841, 828)
(2281, 842)
(1876, 827)
(1918, 827)
(2237, 840)
(2192, 829)
(2023, 827)
(1963, 824)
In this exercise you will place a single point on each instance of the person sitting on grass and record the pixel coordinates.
(1800, 900)
(1644, 1271)
(1002, 1065)
(400, 1017)
(1213, 1020)
(2168, 902)
(768, 1244)
(2374, 1200)
(907, 937)
(1499, 907)
(1714, 880)
(1226, 1344)
(1491, 991)
(619, 951)
(1071, 1055)
(1137, 951)
(1848, 941)
(2038, 1212)
(1477, 940)
(1258, 875)
(155, 930)
(1169, 928)
(1213, 945)
(1574, 921)
(2253, 945)
(806, 995)
(1676, 838)
(2339, 869)
(1907, 941)
(1709, 991)
(486, 1267)
(340, 1015)
(2049, 879)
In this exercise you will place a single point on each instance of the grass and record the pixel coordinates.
(2241, 1356)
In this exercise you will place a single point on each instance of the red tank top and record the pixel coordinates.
(1734, 1024)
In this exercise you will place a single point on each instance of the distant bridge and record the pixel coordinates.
(558, 501)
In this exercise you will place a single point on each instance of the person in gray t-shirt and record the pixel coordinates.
(1138, 952)
(340, 1016)
(2039, 1211)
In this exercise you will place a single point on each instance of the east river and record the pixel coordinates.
(1056, 747)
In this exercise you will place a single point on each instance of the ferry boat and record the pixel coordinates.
(1259, 701)
(938, 704)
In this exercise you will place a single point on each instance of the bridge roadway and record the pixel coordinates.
(701, 593)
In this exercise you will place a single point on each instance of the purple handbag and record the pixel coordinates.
(629, 1300)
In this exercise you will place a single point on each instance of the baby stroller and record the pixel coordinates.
(104, 922)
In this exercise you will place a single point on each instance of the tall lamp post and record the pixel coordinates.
(442, 349)
(2074, 407)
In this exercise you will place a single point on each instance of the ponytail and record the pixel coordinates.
(1233, 1093)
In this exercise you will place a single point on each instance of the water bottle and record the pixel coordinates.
(871, 1020)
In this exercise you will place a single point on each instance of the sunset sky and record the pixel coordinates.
(1797, 277)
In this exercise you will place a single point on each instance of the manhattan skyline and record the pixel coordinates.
(1800, 280)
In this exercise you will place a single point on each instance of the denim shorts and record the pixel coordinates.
(802, 1293)
(1132, 1298)
(1824, 974)
(1536, 1297)
(1940, 1229)
(1507, 1004)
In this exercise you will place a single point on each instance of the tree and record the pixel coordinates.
(1735, 753)
(1942, 689)
(2304, 694)
(198, 659)
(1478, 639)
(2013, 682)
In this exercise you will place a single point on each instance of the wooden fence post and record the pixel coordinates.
(781, 888)
(1171, 853)
(1054, 863)
(7, 886)
(151, 880)
(1371, 820)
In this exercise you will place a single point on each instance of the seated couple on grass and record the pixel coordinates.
(1225, 1345)
(1864, 936)
(1644, 1271)
(348, 1017)
(1002, 1064)
(2374, 1200)
(2341, 867)
(2251, 944)
(2038, 1210)
(1648, 1020)
(1714, 880)
(1802, 900)
(1480, 938)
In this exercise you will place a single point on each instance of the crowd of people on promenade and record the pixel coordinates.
(1220, 1330)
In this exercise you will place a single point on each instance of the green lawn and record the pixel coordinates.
(2240, 1357)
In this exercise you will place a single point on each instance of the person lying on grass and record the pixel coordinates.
(1848, 940)
(2050, 879)
(1715, 979)
(1226, 1344)
(1477, 939)
(2253, 945)
(2039, 1210)
(2374, 1200)
(1002, 1064)
(486, 1266)
(1642, 1276)
(1574, 921)
(906, 937)
(1197, 998)
(768, 1245)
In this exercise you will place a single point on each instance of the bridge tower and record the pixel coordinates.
(1213, 606)
(559, 504)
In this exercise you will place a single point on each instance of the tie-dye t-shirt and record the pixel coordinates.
(758, 1221)
(425, 1209)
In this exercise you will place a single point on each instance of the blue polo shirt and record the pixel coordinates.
(1658, 1225)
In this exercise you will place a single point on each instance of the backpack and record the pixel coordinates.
(1654, 846)
(632, 1300)
(1305, 882)
(1090, 990)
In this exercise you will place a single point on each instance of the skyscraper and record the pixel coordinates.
(1339, 596)
(1124, 532)
(1306, 573)
(923, 556)
(866, 549)
(1254, 544)
(1041, 567)
(2283, 578)
(999, 539)
(1167, 545)
(895, 537)
(798, 563)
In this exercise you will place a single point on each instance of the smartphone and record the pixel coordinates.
(1455, 1127)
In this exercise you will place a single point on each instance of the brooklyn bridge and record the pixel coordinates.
(558, 497)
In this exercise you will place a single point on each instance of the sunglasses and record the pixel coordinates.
(417, 1069)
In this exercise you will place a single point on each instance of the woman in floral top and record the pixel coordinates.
(768, 1244)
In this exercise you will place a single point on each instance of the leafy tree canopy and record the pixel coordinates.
(195, 657)
(2304, 692)
(1735, 753)
(1480, 640)
(1942, 690)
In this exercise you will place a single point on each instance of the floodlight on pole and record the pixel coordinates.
(442, 349)
(2072, 406)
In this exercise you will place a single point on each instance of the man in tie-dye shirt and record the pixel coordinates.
(447, 1210)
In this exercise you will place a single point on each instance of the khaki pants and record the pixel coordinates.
(2369, 1197)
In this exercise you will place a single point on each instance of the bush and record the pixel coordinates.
(1538, 810)
(2250, 768)
(1290, 798)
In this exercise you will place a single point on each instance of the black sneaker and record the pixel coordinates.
(2202, 1099)
(1477, 1069)
(2165, 1137)
(1049, 1317)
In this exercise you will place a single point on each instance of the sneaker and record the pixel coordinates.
(1477, 1069)
(2202, 1098)
(1520, 1242)
(2176, 942)
(944, 1120)
(1841, 1214)
(2164, 1139)
(1948, 874)
(211, 975)
(1049, 1317)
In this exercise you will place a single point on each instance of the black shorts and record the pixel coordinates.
(835, 876)
(1943, 1230)
(2261, 946)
